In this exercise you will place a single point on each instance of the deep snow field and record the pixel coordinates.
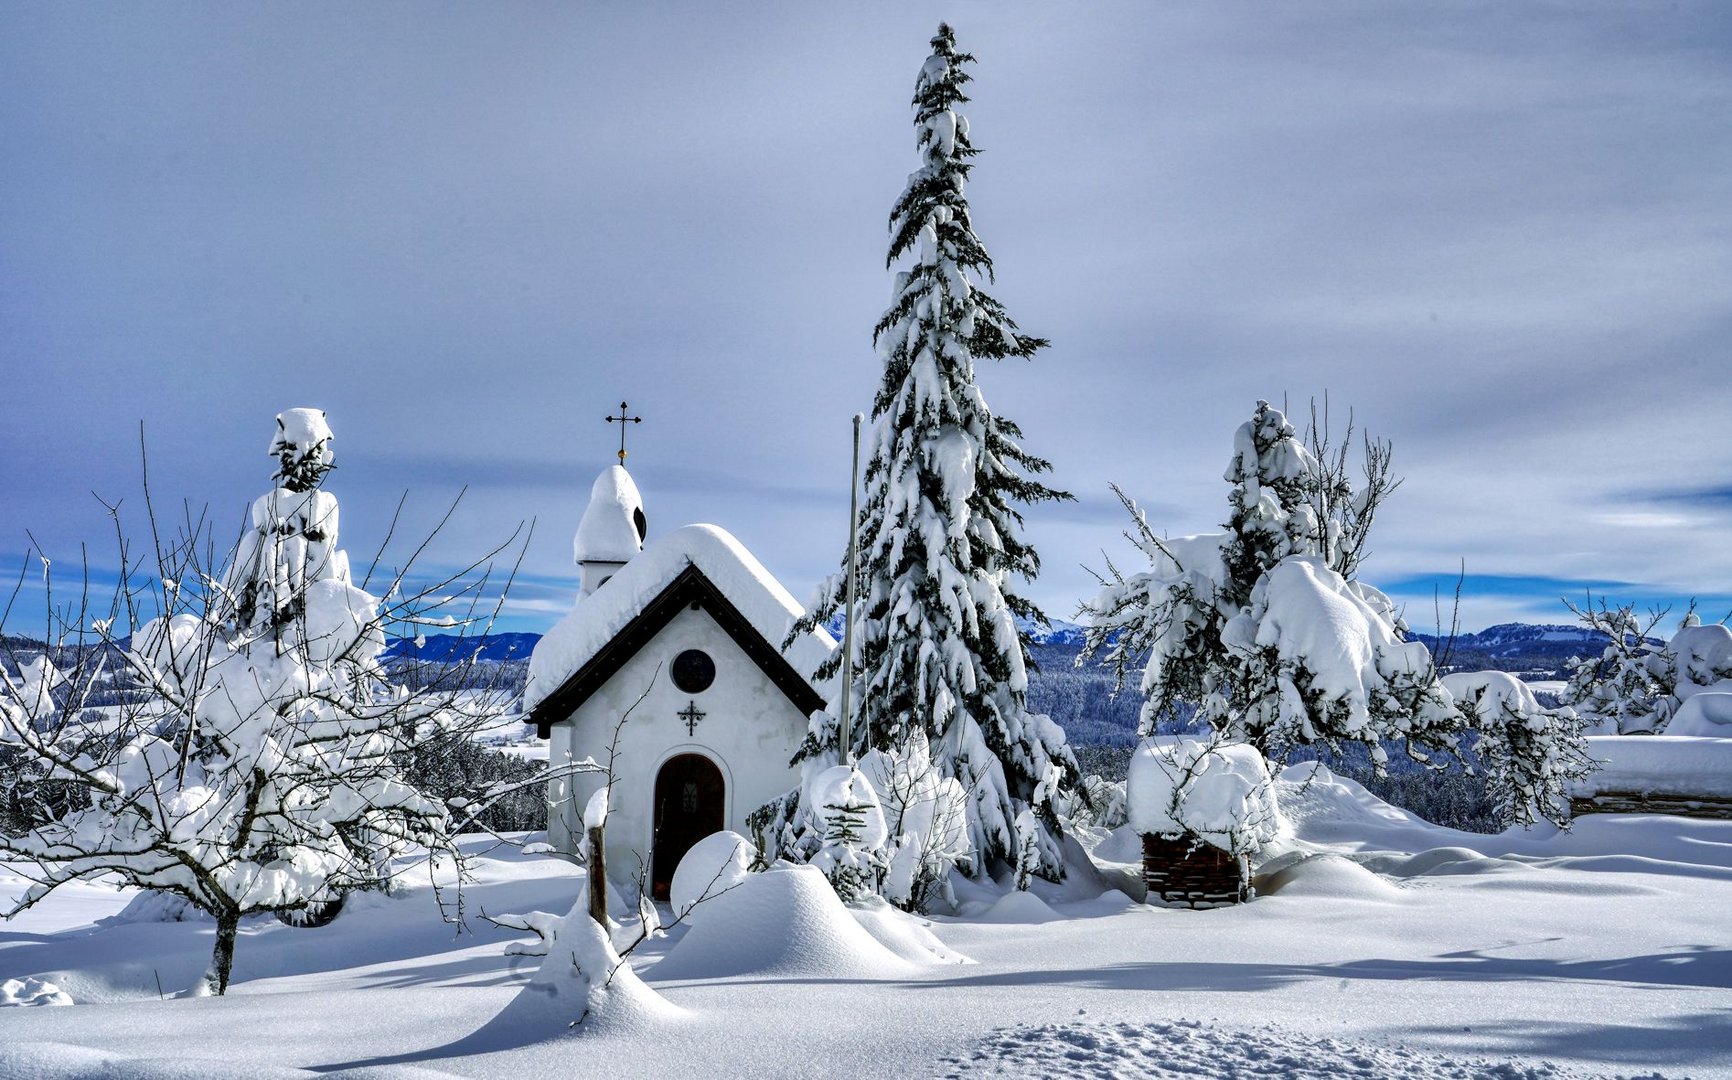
(1379, 946)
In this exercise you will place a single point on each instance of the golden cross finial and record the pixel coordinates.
(622, 420)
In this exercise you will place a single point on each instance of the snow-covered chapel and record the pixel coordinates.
(670, 666)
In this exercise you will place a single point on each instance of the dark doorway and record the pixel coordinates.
(688, 807)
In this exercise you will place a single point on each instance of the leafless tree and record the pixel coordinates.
(241, 747)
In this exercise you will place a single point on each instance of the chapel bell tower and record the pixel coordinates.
(612, 529)
(613, 525)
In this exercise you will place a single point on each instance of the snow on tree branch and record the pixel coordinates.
(254, 761)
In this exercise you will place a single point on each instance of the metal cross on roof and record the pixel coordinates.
(691, 715)
(622, 420)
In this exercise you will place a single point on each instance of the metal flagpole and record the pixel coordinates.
(846, 732)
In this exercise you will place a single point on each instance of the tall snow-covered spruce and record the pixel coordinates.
(937, 648)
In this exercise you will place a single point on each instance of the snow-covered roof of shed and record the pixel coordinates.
(600, 617)
(1218, 791)
(612, 528)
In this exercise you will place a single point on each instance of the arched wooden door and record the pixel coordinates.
(689, 805)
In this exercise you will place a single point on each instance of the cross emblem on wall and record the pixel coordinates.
(691, 714)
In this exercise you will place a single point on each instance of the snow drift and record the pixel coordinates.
(785, 921)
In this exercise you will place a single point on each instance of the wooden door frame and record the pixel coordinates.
(674, 752)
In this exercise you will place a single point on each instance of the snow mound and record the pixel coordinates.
(1086, 879)
(714, 865)
(32, 991)
(1706, 715)
(1321, 808)
(154, 906)
(1437, 862)
(1188, 1049)
(784, 921)
(908, 936)
(1329, 876)
(583, 987)
(1122, 845)
(1017, 907)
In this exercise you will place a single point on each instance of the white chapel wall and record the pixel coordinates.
(750, 730)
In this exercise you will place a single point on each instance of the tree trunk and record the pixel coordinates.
(222, 958)
(597, 877)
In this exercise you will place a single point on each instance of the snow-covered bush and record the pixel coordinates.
(926, 824)
(832, 821)
(1215, 791)
(1266, 630)
(1700, 656)
(1530, 754)
(258, 766)
(844, 818)
(1621, 691)
(1323, 659)
(1105, 807)
(1637, 685)
(892, 825)
(937, 648)
(1704, 716)
(582, 985)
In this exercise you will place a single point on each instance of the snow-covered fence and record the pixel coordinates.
(1656, 774)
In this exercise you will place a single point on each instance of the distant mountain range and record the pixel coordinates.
(496, 648)
(1538, 651)
(1519, 647)
(1054, 632)
(445, 648)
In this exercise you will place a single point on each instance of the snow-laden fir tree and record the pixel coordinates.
(940, 547)
(1629, 687)
(255, 765)
(1528, 753)
(1637, 685)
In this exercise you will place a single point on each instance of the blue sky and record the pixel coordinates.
(1500, 234)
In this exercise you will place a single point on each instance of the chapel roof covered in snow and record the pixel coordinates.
(612, 528)
(698, 565)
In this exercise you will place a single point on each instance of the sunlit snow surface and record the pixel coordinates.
(1382, 946)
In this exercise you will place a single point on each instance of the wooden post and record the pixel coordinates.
(597, 877)
(845, 730)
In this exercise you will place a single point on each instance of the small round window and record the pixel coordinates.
(694, 671)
